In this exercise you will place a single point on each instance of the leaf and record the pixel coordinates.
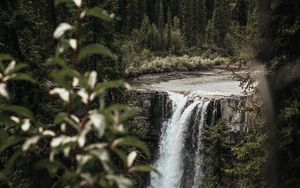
(131, 158)
(101, 154)
(60, 62)
(17, 153)
(19, 67)
(78, 3)
(24, 77)
(63, 93)
(68, 175)
(63, 78)
(57, 2)
(98, 13)
(3, 178)
(52, 167)
(95, 49)
(121, 181)
(125, 112)
(18, 110)
(110, 85)
(3, 90)
(61, 29)
(143, 168)
(121, 154)
(5, 57)
(134, 142)
(60, 118)
(8, 142)
(6, 120)
(3, 135)
(30, 141)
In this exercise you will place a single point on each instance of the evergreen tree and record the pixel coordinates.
(217, 156)
(210, 4)
(187, 25)
(175, 6)
(221, 22)
(133, 15)
(142, 9)
(199, 22)
(210, 33)
(176, 23)
(161, 24)
(156, 39)
(251, 156)
(145, 35)
(240, 12)
(169, 28)
(263, 17)
(157, 10)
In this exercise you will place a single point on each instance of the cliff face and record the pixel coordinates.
(225, 109)
(155, 108)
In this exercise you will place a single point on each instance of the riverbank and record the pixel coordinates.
(214, 82)
(170, 64)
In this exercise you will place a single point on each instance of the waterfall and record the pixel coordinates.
(170, 161)
(179, 156)
(198, 156)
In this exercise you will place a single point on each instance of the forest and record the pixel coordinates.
(150, 93)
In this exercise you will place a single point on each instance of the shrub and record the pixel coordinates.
(175, 63)
(86, 149)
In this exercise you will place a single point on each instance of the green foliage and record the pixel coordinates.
(251, 153)
(285, 29)
(95, 49)
(157, 41)
(288, 135)
(86, 149)
(221, 22)
(174, 63)
(99, 13)
(240, 12)
(132, 20)
(187, 27)
(217, 151)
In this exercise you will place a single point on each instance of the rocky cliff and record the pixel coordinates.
(156, 107)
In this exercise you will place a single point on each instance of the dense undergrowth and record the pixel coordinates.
(174, 63)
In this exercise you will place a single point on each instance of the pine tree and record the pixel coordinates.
(145, 35)
(202, 12)
(142, 9)
(221, 22)
(217, 152)
(210, 33)
(132, 20)
(241, 12)
(161, 25)
(263, 16)
(198, 22)
(187, 26)
(169, 27)
(156, 40)
(157, 10)
(210, 4)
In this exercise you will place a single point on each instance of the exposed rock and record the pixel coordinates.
(156, 108)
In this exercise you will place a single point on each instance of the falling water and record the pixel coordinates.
(198, 157)
(180, 158)
(170, 162)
